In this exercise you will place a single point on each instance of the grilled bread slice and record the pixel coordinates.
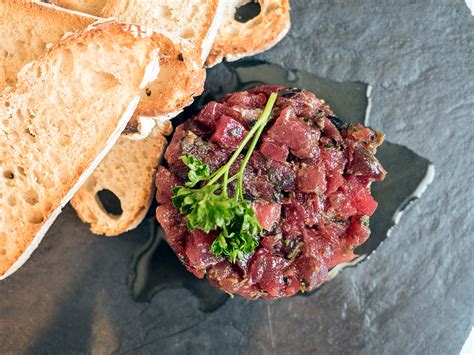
(128, 171)
(236, 39)
(60, 119)
(27, 27)
(178, 80)
(131, 181)
(192, 20)
(181, 78)
(93, 7)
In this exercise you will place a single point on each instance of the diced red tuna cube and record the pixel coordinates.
(331, 230)
(246, 100)
(301, 137)
(334, 159)
(174, 151)
(331, 131)
(267, 270)
(213, 111)
(267, 214)
(165, 182)
(269, 241)
(341, 204)
(342, 254)
(311, 179)
(280, 174)
(229, 133)
(334, 182)
(293, 222)
(198, 250)
(312, 271)
(174, 226)
(364, 202)
(364, 163)
(361, 198)
(304, 103)
(315, 245)
(361, 133)
(267, 90)
(272, 150)
(358, 231)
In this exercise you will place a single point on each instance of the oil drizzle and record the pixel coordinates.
(155, 267)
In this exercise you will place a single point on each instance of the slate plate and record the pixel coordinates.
(155, 268)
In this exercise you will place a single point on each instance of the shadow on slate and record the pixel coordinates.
(156, 268)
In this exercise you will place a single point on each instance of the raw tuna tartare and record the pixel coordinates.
(263, 194)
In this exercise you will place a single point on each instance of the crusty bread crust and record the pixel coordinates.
(93, 7)
(180, 80)
(132, 183)
(198, 26)
(42, 171)
(236, 40)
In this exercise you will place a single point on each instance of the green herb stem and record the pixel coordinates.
(261, 120)
(206, 210)
(239, 191)
(225, 182)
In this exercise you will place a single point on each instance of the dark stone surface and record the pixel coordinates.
(414, 295)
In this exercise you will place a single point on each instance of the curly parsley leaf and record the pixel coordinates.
(209, 207)
(198, 171)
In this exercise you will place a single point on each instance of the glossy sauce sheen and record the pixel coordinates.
(309, 182)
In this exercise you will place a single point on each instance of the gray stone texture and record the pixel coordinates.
(414, 295)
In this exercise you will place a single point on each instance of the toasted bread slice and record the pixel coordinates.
(130, 180)
(192, 20)
(64, 114)
(237, 39)
(93, 7)
(178, 80)
(128, 171)
(27, 28)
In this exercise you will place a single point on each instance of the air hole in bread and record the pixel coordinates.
(64, 141)
(11, 200)
(67, 62)
(247, 12)
(8, 174)
(97, 81)
(34, 217)
(48, 183)
(64, 176)
(7, 103)
(31, 197)
(38, 72)
(20, 170)
(28, 131)
(19, 115)
(188, 33)
(166, 12)
(110, 202)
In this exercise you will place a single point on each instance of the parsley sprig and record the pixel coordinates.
(209, 207)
